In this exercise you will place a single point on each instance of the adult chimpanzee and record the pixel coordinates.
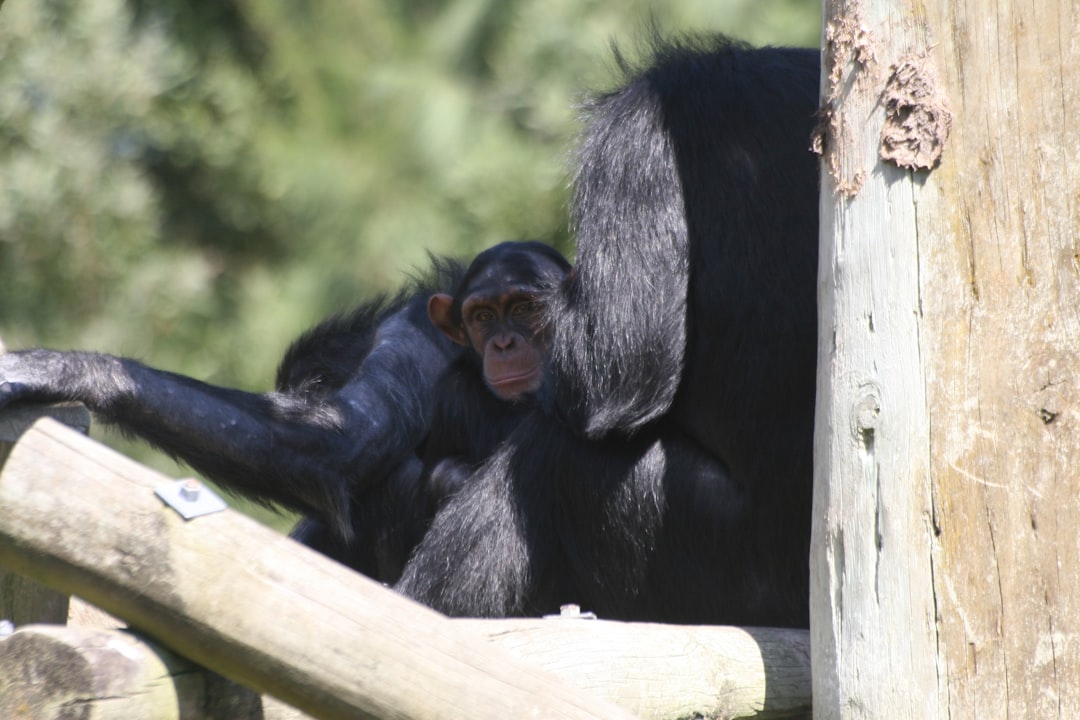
(377, 417)
(668, 473)
(665, 472)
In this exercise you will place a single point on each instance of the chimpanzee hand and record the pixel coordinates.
(29, 375)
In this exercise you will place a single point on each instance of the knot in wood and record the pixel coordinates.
(867, 413)
(1048, 382)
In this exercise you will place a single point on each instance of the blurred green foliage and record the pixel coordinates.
(194, 182)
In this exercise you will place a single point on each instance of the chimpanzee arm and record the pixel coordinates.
(492, 542)
(620, 319)
(695, 211)
(230, 435)
(306, 450)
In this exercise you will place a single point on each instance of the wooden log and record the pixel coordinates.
(23, 601)
(668, 671)
(655, 671)
(244, 601)
(47, 670)
(19, 417)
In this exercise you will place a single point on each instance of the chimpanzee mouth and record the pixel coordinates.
(515, 378)
(517, 386)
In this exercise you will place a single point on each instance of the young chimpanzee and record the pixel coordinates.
(493, 317)
(495, 314)
(376, 418)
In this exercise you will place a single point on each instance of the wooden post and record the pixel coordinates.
(947, 484)
(244, 601)
(23, 601)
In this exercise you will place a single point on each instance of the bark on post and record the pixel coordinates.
(947, 487)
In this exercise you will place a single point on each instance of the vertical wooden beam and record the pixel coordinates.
(872, 611)
(1000, 231)
(947, 484)
(23, 601)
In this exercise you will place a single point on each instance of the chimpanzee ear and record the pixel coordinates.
(438, 309)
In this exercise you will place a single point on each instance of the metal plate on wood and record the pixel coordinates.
(190, 498)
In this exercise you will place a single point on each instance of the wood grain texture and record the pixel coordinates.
(948, 427)
(236, 597)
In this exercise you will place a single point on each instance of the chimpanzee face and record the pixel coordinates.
(497, 312)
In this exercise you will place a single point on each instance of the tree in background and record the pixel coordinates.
(194, 182)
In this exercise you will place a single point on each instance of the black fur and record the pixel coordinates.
(353, 404)
(669, 474)
(468, 421)
(377, 417)
(664, 472)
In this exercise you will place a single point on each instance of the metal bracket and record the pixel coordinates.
(190, 498)
(572, 611)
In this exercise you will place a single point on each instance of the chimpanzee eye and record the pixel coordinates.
(525, 308)
(483, 315)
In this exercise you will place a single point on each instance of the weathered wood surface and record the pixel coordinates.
(872, 611)
(241, 600)
(23, 601)
(948, 426)
(668, 671)
(40, 678)
(17, 419)
(655, 671)
(49, 672)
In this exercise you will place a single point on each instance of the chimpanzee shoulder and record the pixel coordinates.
(324, 357)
